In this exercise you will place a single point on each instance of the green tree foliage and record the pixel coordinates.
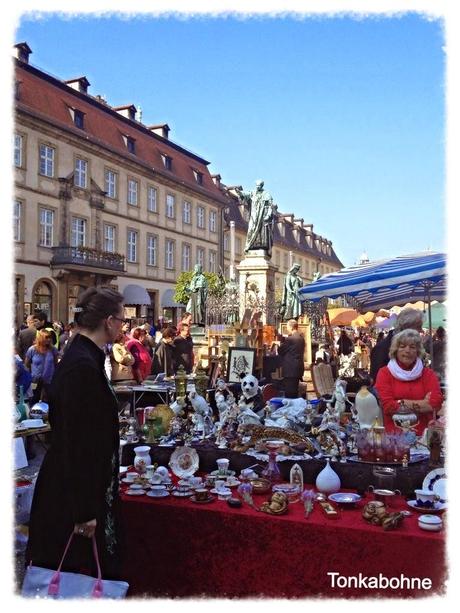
(216, 285)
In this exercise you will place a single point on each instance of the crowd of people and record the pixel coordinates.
(137, 353)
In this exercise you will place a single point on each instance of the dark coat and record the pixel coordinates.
(25, 340)
(78, 480)
(163, 360)
(380, 355)
(183, 353)
(292, 350)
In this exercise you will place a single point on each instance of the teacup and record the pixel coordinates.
(426, 499)
(149, 471)
(163, 471)
(211, 480)
(222, 465)
(195, 481)
(136, 486)
(248, 473)
(156, 479)
(158, 488)
(224, 493)
(131, 476)
(201, 493)
(219, 484)
(183, 488)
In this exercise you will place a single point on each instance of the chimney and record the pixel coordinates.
(80, 84)
(216, 179)
(22, 52)
(161, 129)
(128, 111)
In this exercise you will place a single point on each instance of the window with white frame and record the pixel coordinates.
(80, 177)
(111, 184)
(131, 255)
(170, 206)
(200, 216)
(152, 199)
(46, 227)
(18, 145)
(132, 192)
(226, 242)
(47, 160)
(186, 250)
(17, 220)
(169, 251)
(78, 234)
(212, 221)
(212, 261)
(200, 256)
(187, 212)
(152, 244)
(109, 238)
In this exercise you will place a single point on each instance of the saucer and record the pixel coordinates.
(188, 493)
(125, 480)
(214, 491)
(228, 473)
(438, 506)
(157, 494)
(209, 499)
(232, 483)
(134, 492)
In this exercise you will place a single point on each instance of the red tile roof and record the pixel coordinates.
(51, 98)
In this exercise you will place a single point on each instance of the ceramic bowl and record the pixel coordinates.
(433, 523)
(260, 485)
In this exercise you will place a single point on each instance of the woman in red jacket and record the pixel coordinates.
(405, 378)
(142, 360)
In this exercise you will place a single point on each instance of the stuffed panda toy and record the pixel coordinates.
(251, 397)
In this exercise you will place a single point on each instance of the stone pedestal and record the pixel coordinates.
(257, 283)
(200, 344)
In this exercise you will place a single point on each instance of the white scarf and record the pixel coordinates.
(405, 375)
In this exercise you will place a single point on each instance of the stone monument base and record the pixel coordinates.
(257, 284)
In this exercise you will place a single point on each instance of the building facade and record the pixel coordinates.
(102, 199)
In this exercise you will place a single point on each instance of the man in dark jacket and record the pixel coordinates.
(183, 349)
(27, 336)
(163, 355)
(291, 350)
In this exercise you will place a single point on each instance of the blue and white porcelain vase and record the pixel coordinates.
(328, 480)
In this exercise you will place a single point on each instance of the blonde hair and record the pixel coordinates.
(403, 337)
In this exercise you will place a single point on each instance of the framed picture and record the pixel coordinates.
(241, 361)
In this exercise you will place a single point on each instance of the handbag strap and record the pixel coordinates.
(53, 588)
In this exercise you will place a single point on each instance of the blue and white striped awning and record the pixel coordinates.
(383, 284)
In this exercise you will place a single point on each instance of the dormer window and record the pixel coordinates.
(198, 177)
(131, 144)
(167, 161)
(79, 119)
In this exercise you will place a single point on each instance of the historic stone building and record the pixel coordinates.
(101, 198)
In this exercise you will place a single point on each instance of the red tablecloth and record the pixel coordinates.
(177, 548)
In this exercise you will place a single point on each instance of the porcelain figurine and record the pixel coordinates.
(368, 409)
(251, 396)
(328, 480)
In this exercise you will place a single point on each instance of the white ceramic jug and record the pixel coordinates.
(328, 480)
(142, 459)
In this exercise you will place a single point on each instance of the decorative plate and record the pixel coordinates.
(436, 481)
(181, 494)
(184, 461)
(157, 494)
(438, 507)
(344, 498)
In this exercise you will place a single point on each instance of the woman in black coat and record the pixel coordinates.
(77, 487)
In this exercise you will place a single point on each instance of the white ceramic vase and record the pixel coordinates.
(328, 480)
(142, 459)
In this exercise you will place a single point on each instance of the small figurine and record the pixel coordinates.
(435, 448)
(277, 505)
(296, 476)
(251, 397)
(308, 497)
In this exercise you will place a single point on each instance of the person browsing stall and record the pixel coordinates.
(405, 378)
(77, 486)
(183, 349)
(163, 358)
(292, 350)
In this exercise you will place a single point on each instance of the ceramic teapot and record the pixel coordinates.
(404, 417)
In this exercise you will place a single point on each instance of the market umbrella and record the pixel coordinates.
(385, 283)
(341, 316)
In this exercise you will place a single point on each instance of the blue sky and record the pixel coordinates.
(343, 118)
